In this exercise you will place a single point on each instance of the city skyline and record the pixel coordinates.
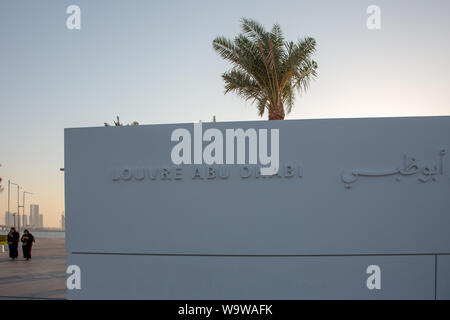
(34, 218)
(120, 64)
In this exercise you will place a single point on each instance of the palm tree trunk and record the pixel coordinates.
(276, 112)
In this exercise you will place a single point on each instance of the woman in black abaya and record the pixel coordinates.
(27, 244)
(13, 243)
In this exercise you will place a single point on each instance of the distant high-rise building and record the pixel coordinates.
(24, 221)
(34, 215)
(11, 219)
(7, 218)
(41, 221)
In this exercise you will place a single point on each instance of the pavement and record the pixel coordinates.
(43, 277)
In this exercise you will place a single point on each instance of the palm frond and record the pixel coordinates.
(253, 29)
(241, 83)
(261, 106)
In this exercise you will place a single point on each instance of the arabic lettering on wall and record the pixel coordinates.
(409, 167)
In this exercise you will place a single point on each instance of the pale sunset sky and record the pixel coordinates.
(153, 62)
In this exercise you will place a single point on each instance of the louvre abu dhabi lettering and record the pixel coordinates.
(202, 173)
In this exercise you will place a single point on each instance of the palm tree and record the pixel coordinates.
(266, 68)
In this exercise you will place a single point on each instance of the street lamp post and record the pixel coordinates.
(9, 212)
(18, 206)
(1, 188)
(23, 205)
